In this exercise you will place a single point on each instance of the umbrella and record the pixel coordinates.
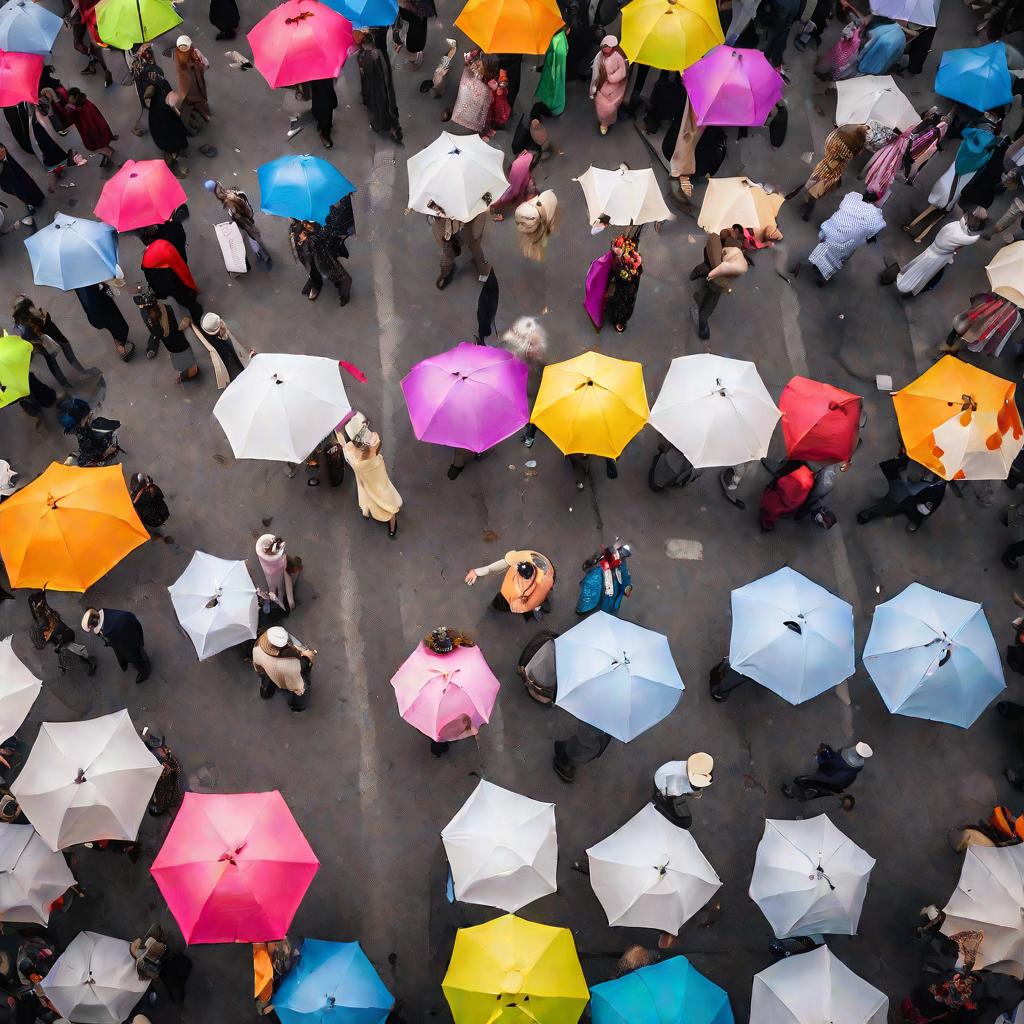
(72, 253)
(27, 27)
(19, 78)
(876, 99)
(921, 12)
(670, 34)
(791, 635)
(68, 527)
(960, 422)
(299, 41)
(18, 690)
(455, 176)
(715, 410)
(502, 848)
(1006, 273)
(143, 192)
(281, 407)
(304, 187)
(471, 396)
(126, 23)
(593, 404)
(15, 354)
(820, 423)
(989, 898)
(367, 13)
(234, 867)
(496, 967)
(94, 980)
(814, 987)
(434, 690)
(510, 26)
(670, 992)
(622, 196)
(332, 982)
(729, 201)
(809, 878)
(728, 86)
(933, 656)
(32, 876)
(215, 601)
(651, 874)
(88, 780)
(977, 76)
(615, 675)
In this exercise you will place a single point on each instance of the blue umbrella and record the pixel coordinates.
(671, 992)
(333, 983)
(27, 27)
(366, 13)
(72, 253)
(977, 76)
(304, 187)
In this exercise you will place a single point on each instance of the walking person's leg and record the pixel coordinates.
(314, 282)
(54, 367)
(447, 249)
(342, 282)
(474, 239)
(1011, 553)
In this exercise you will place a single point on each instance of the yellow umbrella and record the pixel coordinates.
(15, 354)
(510, 26)
(509, 971)
(670, 34)
(592, 405)
(1006, 273)
(124, 23)
(729, 201)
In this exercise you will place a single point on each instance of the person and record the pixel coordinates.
(166, 126)
(837, 771)
(53, 155)
(551, 87)
(97, 301)
(225, 18)
(377, 89)
(320, 250)
(624, 281)
(37, 327)
(786, 495)
(521, 185)
(92, 126)
(375, 492)
(723, 261)
(675, 780)
(487, 308)
(783, 15)
(323, 103)
(414, 14)
(985, 326)
(280, 570)
(723, 679)
(501, 110)
(15, 181)
(842, 144)
(527, 340)
(856, 222)
(435, 84)
(49, 628)
(472, 109)
(167, 792)
(906, 154)
(238, 208)
(448, 233)
(160, 321)
(191, 66)
(442, 641)
(535, 223)
(526, 587)
(227, 354)
(915, 499)
(149, 503)
(884, 47)
(608, 80)
(587, 744)
(122, 632)
(169, 277)
(536, 667)
(283, 662)
(81, 15)
(924, 271)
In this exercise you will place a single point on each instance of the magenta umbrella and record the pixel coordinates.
(19, 77)
(731, 87)
(471, 396)
(299, 41)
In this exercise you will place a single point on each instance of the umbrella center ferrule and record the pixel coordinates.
(231, 855)
(80, 777)
(330, 1001)
(512, 983)
(298, 18)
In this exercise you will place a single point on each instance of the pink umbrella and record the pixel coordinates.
(19, 77)
(435, 690)
(732, 87)
(300, 41)
(471, 396)
(143, 192)
(234, 867)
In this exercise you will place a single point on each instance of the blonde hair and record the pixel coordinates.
(526, 339)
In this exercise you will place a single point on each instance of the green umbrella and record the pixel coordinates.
(14, 356)
(125, 23)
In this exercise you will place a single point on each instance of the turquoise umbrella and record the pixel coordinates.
(977, 76)
(366, 13)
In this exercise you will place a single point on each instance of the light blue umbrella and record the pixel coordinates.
(27, 27)
(671, 992)
(933, 656)
(333, 983)
(977, 76)
(615, 675)
(366, 13)
(791, 635)
(72, 253)
(304, 187)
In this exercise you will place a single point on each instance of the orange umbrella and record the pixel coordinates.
(510, 26)
(68, 527)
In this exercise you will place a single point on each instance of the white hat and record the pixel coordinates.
(184, 43)
(85, 621)
(277, 636)
(609, 41)
(698, 769)
(863, 749)
(211, 323)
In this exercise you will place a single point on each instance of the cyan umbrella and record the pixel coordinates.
(366, 13)
(977, 76)
(333, 983)
(670, 992)
(72, 253)
(27, 27)
(791, 635)
(304, 187)
(933, 656)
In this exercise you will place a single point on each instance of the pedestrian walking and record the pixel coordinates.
(37, 327)
(782, 15)
(723, 262)
(985, 326)
(169, 277)
(49, 628)
(521, 185)
(856, 222)
(191, 67)
(95, 133)
(377, 89)
(122, 632)
(238, 208)
(172, 230)
(884, 46)
(375, 492)
(225, 18)
(551, 87)
(723, 679)
(535, 223)
(674, 781)
(323, 103)
(283, 662)
(53, 154)
(608, 80)
(472, 109)
(526, 587)
(842, 144)
(527, 340)
(906, 155)
(587, 744)
(158, 318)
(320, 250)
(925, 271)
(97, 301)
(149, 503)
(448, 234)
(536, 667)
(837, 771)
(228, 355)
(413, 15)
(915, 499)
(166, 126)
(280, 570)
(16, 181)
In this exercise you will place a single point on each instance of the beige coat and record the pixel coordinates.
(285, 673)
(375, 492)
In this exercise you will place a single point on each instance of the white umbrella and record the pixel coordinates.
(622, 196)
(809, 878)
(921, 12)
(32, 875)
(502, 848)
(87, 780)
(94, 981)
(461, 174)
(874, 98)
(651, 874)
(281, 407)
(814, 987)
(715, 410)
(215, 601)
(18, 690)
(1006, 273)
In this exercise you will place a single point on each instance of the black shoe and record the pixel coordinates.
(788, 791)
(1010, 563)
(719, 696)
(565, 772)
(224, 35)
(142, 677)
(703, 330)
(393, 529)
(444, 280)
(611, 469)
(862, 518)
(457, 246)
(454, 471)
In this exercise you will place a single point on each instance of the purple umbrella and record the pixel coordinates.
(471, 396)
(732, 87)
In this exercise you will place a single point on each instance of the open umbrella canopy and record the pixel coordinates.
(729, 201)
(670, 34)
(623, 196)
(68, 527)
(960, 422)
(471, 396)
(142, 193)
(510, 26)
(19, 77)
(874, 99)
(15, 354)
(27, 27)
(791, 635)
(497, 966)
(1006, 273)
(126, 23)
(615, 675)
(920, 12)
(332, 983)
(651, 874)
(304, 187)
(730, 86)
(366, 13)
(456, 176)
(32, 876)
(18, 690)
(234, 867)
(72, 253)
(299, 41)
(820, 423)
(977, 76)
(215, 601)
(88, 780)
(933, 656)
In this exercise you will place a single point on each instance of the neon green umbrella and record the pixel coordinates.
(125, 23)
(14, 357)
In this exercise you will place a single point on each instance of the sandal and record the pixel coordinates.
(620, 328)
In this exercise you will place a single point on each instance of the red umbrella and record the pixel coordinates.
(19, 77)
(300, 41)
(819, 422)
(142, 193)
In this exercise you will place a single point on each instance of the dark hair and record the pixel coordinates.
(870, 196)
(74, 92)
(526, 569)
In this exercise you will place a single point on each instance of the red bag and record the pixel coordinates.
(784, 496)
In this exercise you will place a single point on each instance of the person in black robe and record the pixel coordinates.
(378, 89)
(102, 313)
(224, 16)
(165, 125)
(172, 231)
(15, 181)
(324, 103)
(19, 117)
(122, 633)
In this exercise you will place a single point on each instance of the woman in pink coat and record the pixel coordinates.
(608, 82)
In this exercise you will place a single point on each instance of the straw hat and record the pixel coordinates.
(698, 769)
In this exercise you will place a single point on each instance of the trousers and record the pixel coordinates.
(472, 233)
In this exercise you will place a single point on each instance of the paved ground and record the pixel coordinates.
(360, 781)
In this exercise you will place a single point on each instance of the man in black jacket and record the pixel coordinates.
(122, 632)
